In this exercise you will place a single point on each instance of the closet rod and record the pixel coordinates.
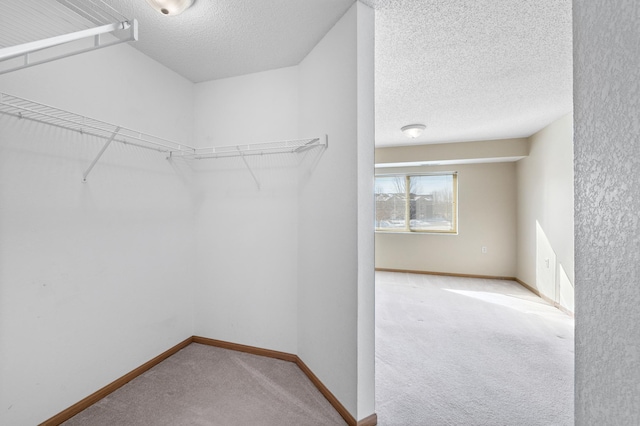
(27, 49)
(81, 25)
(34, 46)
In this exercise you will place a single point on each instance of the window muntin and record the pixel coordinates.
(416, 203)
(391, 203)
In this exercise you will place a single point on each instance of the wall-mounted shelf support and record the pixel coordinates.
(95, 160)
(324, 141)
(249, 168)
(291, 147)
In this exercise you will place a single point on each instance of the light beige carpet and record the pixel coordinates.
(469, 352)
(205, 386)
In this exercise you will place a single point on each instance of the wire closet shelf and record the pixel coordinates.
(32, 30)
(295, 146)
(58, 22)
(34, 111)
(41, 113)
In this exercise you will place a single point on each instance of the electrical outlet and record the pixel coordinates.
(484, 249)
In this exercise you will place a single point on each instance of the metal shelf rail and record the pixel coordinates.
(32, 30)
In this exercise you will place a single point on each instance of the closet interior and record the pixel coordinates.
(158, 244)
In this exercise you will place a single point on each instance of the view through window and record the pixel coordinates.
(417, 203)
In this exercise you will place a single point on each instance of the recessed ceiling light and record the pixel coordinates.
(170, 7)
(413, 130)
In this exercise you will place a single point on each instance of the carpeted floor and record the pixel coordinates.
(205, 386)
(464, 351)
(449, 351)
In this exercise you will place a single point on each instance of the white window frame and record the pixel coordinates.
(407, 229)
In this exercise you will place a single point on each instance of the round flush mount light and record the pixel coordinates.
(413, 130)
(170, 7)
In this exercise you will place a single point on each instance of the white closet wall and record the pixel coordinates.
(366, 212)
(331, 208)
(279, 267)
(247, 237)
(96, 278)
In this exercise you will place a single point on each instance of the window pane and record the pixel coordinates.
(391, 204)
(432, 206)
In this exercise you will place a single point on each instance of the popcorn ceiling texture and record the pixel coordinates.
(607, 202)
(224, 38)
(471, 69)
(468, 69)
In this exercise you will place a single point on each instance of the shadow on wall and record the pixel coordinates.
(308, 162)
(551, 279)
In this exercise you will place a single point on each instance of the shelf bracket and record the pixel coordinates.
(95, 160)
(249, 167)
(312, 144)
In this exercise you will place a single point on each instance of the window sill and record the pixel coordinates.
(416, 232)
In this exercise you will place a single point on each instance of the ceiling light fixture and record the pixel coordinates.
(170, 7)
(413, 130)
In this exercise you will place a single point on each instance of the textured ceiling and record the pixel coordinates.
(471, 69)
(467, 69)
(223, 38)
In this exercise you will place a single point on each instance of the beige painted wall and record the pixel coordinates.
(545, 213)
(486, 217)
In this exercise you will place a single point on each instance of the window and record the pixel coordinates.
(417, 203)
